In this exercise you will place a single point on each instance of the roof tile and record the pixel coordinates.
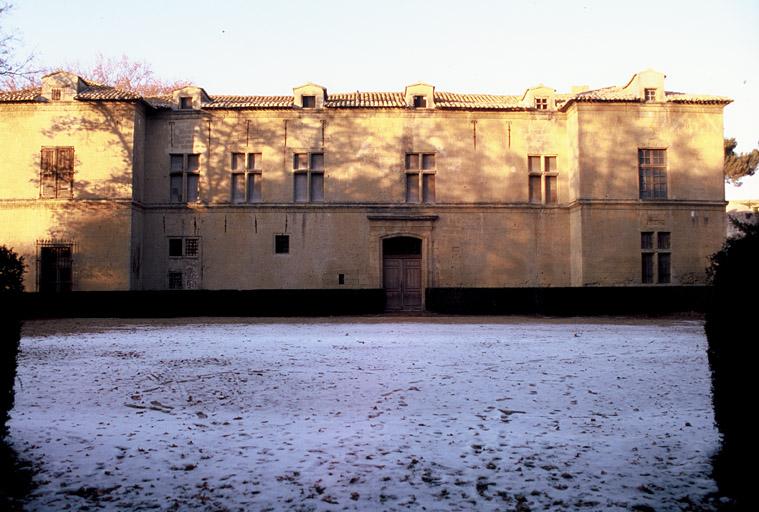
(250, 102)
(29, 94)
(96, 92)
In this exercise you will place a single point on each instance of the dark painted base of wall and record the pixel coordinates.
(455, 301)
(189, 303)
(643, 300)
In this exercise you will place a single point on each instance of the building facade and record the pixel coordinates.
(103, 189)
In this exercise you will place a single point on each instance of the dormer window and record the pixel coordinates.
(309, 101)
(420, 102)
(650, 94)
(185, 102)
(55, 94)
(541, 103)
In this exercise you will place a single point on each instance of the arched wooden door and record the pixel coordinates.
(402, 273)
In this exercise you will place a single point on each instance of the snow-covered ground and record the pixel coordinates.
(366, 414)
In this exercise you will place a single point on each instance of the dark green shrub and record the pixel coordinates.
(731, 332)
(11, 284)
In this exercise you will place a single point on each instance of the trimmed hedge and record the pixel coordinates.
(11, 286)
(16, 481)
(731, 333)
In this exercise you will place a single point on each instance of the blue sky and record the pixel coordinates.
(498, 47)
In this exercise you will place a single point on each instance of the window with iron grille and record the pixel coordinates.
(184, 177)
(420, 177)
(308, 177)
(652, 173)
(655, 259)
(55, 94)
(57, 172)
(184, 247)
(246, 177)
(55, 266)
(543, 179)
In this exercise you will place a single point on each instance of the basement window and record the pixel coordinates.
(175, 281)
(656, 261)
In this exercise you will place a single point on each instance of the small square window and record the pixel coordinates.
(309, 101)
(55, 94)
(541, 103)
(175, 247)
(185, 103)
(281, 244)
(650, 94)
(420, 102)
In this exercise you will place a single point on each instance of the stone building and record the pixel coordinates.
(403, 191)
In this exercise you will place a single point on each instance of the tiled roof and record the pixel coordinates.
(366, 100)
(452, 100)
(97, 92)
(443, 100)
(250, 102)
(606, 94)
(93, 92)
(618, 94)
(165, 101)
(680, 97)
(30, 94)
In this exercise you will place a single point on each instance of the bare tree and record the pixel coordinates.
(15, 71)
(129, 75)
